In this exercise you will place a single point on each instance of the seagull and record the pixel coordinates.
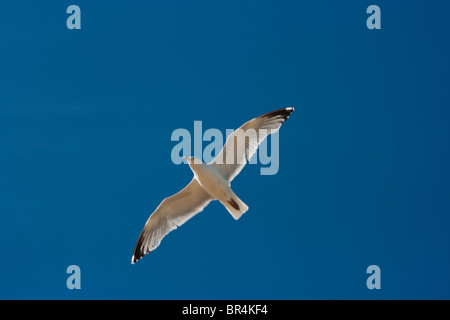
(210, 182)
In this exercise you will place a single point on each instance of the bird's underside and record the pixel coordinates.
(211, 182)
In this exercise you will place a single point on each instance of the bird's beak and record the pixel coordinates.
(185, 158)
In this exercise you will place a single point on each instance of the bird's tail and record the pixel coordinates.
(235, 206)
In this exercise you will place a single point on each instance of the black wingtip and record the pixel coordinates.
(138, 256)
(134, 259)
(138, 252)
(284, 113)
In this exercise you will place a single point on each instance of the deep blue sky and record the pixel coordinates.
(86, 118)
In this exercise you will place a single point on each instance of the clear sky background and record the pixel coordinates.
(86, 118)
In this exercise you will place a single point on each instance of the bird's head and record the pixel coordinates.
(192, 160)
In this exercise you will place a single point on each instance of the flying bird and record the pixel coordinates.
(211, 182)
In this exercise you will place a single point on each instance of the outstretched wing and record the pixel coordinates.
(242, 144)
(170, 214)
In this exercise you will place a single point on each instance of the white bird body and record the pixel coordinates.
(211, 182)
(217, 187)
